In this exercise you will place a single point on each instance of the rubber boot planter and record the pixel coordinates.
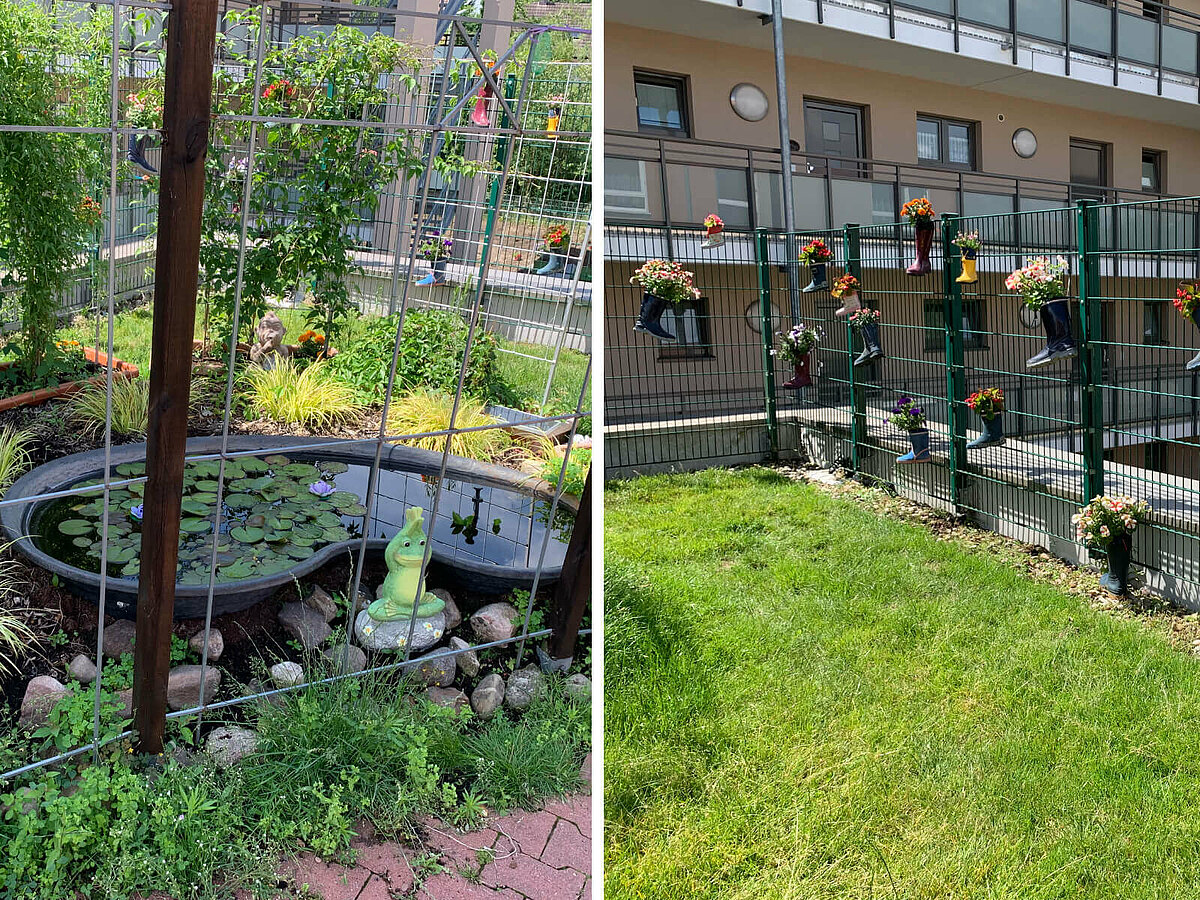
(920, 448)
(924, 241)
(969, 274)
(647, 320)
(993, 434)
(849, 304)
(871, 349)
(481, 114)
(1056, 322)
(1116, 580)
(554, 265)
(801, 378)
(713, 226)
(819, 280)
(137, 155)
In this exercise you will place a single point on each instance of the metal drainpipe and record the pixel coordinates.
(785, 158)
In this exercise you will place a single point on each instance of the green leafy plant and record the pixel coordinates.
(426, 412)
(130, 406)
(431, 353)
(46, 215)
(312, 396)
(578, 465)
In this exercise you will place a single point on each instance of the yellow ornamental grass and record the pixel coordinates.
(130, 405)
(311, 396)
(423, 413)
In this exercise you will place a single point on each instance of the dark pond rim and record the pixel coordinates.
(191, 600)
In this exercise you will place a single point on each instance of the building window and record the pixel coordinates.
(1152, 10)
(625, 191)
(945, 142)
(974, 325)
(1089, 169)
(834, 130)
(689, 323)
(662, 104)
(1152, 171)
(1152, 322)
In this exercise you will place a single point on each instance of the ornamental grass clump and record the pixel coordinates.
(130, 405)
(1040, 281)
(667, 281)
(423, 417)
(907, 415)
(311, 396)
(1109, 518)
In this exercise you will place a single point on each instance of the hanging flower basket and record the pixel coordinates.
(846, 289)
(968, 245)
(795, 346)
(1188, 304)
(909, 417)
(713, 226)
(989, 403)
(921, 213)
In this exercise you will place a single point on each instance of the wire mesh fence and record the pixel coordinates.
(1100, 391)
(354, 151)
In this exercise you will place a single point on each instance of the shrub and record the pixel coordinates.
(423, 412)
(431, 351)
(130, 406)
(578, 465)
(313, 397)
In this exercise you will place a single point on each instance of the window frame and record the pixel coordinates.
(615, 212)
(943, 160)
(683, 349)
(683, 88)
(1160, 169)
(1078, 190)
(935, 342)
(862, 116)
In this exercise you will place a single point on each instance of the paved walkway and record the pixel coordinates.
(544, 855)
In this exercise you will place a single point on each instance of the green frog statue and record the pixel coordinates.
(404, 583)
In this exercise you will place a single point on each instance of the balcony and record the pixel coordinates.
(676, 183)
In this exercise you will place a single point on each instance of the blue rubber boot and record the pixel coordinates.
(554, 266)
(436, 277)
(647, 320)
(137, 157)
(819, 280)
(993, 434)
(1056, 322)
(920, 448)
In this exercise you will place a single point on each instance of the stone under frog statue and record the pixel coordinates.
(385, 624)
(404, 583)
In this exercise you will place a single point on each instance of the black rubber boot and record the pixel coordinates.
(137, 156)
(647, 320)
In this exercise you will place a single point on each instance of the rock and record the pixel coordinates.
(356, 660)
(82, 669)
(216, 644)
(524, 685)
(118, 638)
(40, 696)
(287, 674)
(305, 624)
(454, 617)
(183, 686)
(437, 672)
(229, 745)
(494, 622)
(388, 637)
(126, 698)
(320, 600)
(451, 698)
(578, 687)
(468, 659)
(487, 696)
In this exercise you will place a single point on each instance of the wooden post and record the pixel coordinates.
(190, 39)
(575, 585)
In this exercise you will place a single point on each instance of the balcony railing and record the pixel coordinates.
(676, 183)
(1141, 36)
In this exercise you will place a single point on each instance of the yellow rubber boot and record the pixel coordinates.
(969, 275)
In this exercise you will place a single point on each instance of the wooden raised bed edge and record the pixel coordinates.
(67, 388)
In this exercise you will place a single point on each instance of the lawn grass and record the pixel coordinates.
(806, 700)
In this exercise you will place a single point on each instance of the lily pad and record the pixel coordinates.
(335, 535)
(195, 525)
(246, 535)
(240, 501)
(195, 507)
(354, 509)
(302, 472)
(82, 541)
(334, 468)
(75, 526)
(276, 460)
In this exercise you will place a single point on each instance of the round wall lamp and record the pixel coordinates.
(1024, 143)
(749, 102)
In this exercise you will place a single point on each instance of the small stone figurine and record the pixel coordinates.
(268, 346)
(404, 583)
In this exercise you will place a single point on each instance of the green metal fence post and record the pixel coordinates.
(956, 372)
(763, 259)
(858, 398)
(1092, 364)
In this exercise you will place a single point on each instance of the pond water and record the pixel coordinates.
(279, 510)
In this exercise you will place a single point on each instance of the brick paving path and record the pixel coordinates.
(543, 855)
